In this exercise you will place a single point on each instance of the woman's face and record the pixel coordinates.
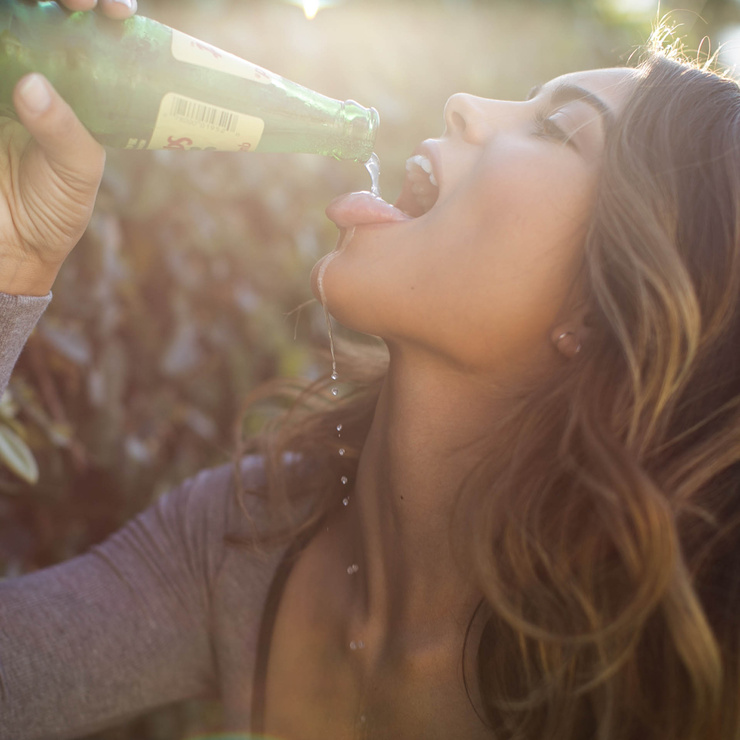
(485, 275)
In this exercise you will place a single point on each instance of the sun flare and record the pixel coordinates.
(310, 8)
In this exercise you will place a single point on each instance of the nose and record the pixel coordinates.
(472, 118)
(464, 117)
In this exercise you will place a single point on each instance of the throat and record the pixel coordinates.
(410, 473)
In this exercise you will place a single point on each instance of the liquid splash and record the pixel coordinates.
(373, 167)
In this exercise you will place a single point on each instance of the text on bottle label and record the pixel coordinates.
(193, 51)
(187, 124)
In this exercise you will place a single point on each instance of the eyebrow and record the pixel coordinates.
(567, 93)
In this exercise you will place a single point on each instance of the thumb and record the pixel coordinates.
(67, 144)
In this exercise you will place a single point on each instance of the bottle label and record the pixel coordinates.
(187, 124)
(188, 49)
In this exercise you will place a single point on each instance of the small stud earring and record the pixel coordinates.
(562, 337)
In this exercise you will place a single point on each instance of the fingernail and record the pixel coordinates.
(35, 93)
(130, 4)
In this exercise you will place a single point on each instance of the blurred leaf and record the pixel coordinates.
(17, 456)
(183, 353)
(69, 341)
(8, 406)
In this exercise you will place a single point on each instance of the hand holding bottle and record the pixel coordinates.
(51, 170)
(120, 9)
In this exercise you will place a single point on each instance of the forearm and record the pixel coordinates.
(18, 316)
(118, 631)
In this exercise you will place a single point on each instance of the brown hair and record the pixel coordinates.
(606, 538)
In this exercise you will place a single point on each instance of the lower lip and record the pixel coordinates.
(361, 209)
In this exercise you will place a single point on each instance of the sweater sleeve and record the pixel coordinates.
(120, 630)
(18, 316)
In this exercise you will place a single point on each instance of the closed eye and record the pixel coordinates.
(547, 128)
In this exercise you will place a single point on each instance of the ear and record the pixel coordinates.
(570, 336)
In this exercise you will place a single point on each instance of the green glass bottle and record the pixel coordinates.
(138, 84)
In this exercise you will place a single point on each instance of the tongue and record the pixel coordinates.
(358, 209)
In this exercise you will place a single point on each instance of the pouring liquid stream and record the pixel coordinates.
(373, 167)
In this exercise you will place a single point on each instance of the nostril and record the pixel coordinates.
(458, 122)
(455, 113)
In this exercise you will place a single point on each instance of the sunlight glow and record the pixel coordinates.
(639, 8)
(729, 52)
(310, 8)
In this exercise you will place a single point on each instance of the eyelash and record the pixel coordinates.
(548, 129)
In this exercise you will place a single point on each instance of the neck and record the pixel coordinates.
(425, 438)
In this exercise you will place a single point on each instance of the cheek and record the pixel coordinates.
(514, 220)
(511, 269)
(537, 202)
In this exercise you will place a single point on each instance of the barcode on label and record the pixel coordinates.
(204, 114)
(189, 124)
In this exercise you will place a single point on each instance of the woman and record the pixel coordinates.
(523, 527)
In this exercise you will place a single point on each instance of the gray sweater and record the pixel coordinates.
(162, 611)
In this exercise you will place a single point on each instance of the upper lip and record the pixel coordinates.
(407, 201)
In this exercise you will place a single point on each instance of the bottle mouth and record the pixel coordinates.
(361, 130)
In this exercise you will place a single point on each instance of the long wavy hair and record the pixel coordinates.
(606, 537)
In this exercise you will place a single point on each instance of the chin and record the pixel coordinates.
(345, 295)
(318, 272)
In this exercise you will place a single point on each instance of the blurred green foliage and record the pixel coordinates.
(177, 301)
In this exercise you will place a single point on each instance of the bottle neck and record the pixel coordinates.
(356, 130)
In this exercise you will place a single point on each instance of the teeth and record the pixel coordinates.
(422, 181)
(425, 164)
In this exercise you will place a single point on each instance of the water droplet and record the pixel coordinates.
(335, 375)
(352, 569)
(342, 451)
(339, 427)
(335, 391)
(360, 645)
(353, 645)
(363, 719)
(345, 480)
(345, 501)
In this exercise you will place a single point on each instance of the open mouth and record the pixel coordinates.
(420, 188)
(419, 193)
